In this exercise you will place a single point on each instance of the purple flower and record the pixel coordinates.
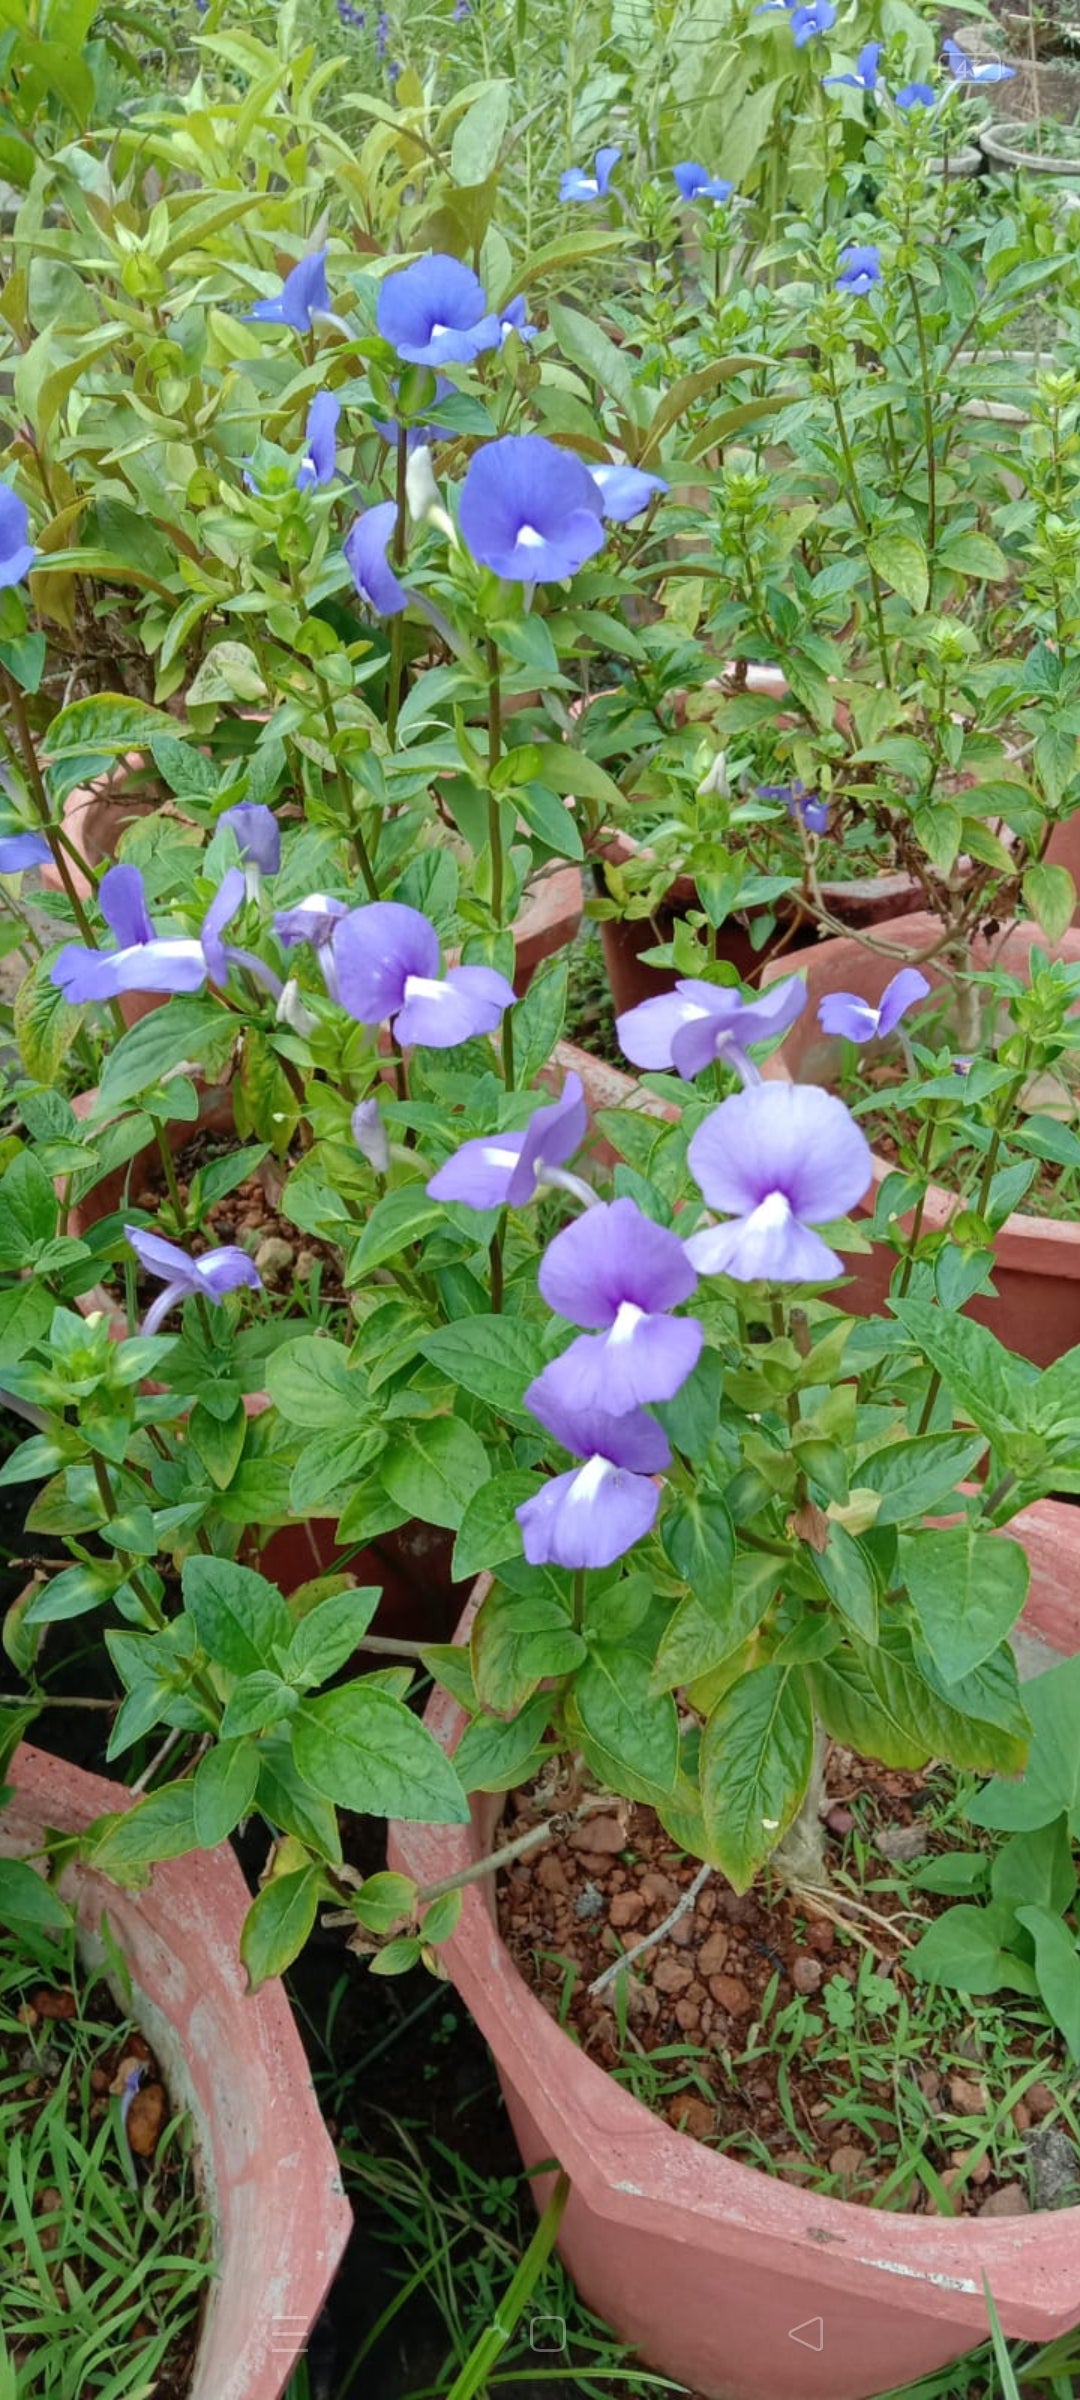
(19, 850)
(699, 1022)
(388, 971)
(529, 511)
(590, 1516)
(435, 313)
(613, 1269)
(845, 1013)
(218, 1272)
(461, 9)
(773, 1158)
(625, 491)
(860, 268)
(132, 2081)
(366, 546)
(257, 833)
(963, 70)
(313, 920)
(915, 95)
(818, 16)
(382, 33)
(696, 183)
(350, 15)
(576, 184)
(17, 552)
(512, 319)
(506, 1170)
(144, 961)
(303, 295)
(801, 805)
(370, 1135)
(865, 76)
(319, 462)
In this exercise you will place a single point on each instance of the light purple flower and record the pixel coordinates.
(19, 850)
(802, 806)
(218, 1272)
(625, 491)
(589, 1517)
(144, 961)
(529, 511)
(860, 268)
(388, 971)
(963, 70)
(366, 547)
(506, 1170)
(576, 184)
(845, 1013)
(258, 834)
(818, 16)
(696, 183)
(699, 1022)
(303, 295)
(17, 552)
(370, 1135)
(865, 76)
(915, 95)
(513, 319)
(612, 1268)
(776, 1159)
(319, 462)
(313, 920)
(435, 312)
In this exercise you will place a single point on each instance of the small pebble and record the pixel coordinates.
(806, 1973)
(713, 1952)
(589, 1902)
(1010, 2201)
(902, 1842)
(274, 1258)
(603, 1834)
(731, 1993)
(966, 2096)
(672, 1975)
(146, 2116)
(847, 2162)
(689, 2114)
(627, 1908)
(60, 2006)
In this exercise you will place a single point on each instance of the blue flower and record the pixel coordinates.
(366, 546)
(696, 183)
(382, 35)
(818, 16)
(17, 552)
(915, 95)
(799, 803)
(529, 511)
(847, 1013)
(19, 850)
(576, 184)
(435, 312)
(865, 76)
(257, 834)
(963, 70)
(460, 11)
(860, 268)
(350, 15)
(211, 1276)
(319, 462)
(303, 295)
(625, 491)
(512, 320)
(144, 961)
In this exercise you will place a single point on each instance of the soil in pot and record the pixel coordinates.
(787, 2031)
(104, 2244)
(248, 1214)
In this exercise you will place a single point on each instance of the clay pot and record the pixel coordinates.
(1004, 146)
(736, 2284)
(1037, 1272)
(95, 815)
(236, 2062)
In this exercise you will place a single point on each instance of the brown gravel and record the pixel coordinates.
(251, 1218)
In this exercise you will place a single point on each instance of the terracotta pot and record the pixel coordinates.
(551, 912)
(1037, 1270)
(236, 2062)
(736, 2284)
(95, 815)
(1063, 847)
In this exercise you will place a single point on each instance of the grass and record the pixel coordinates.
(102, 2264)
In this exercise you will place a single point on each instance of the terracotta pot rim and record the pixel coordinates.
(734, 2207)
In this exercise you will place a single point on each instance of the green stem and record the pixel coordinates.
(487, 2352)
(397, 629)
(40, 799)
(498, 864)
(854, 500)
(495, 1254)
(928, 420)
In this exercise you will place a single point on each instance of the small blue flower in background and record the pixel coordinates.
(17, 552)
(382, 34)
(217, 1272)
(512, 319)
(350, 15)
(625, 491)
(303, 295)
(818, 16)
(144, 961)
(257, 834)
(845, 1013)
(801, 805)
(696, 183)
(590, 1516)
(860, 268)
(319, 462)
(915, 95)
(963, 69)
(865, 76)
(366, 546)
(507, 1170)
(697, 1023)
(529, 511)
(435, 313)
(19, 850)
(314, 920)
(461, 10)
(777, 1160)
(389, 972)
(576, 184)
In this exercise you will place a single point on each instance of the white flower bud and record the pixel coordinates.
(715, 779)
(422, 493)
(370, 1135)
(292, 1012)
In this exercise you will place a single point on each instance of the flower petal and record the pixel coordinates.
(587, 1518)
(376, 949)
(480, 1173)
(530, 511)
(639, 1360)
(791, 1138)
(611, 1254)
(633, 1440)
(551, 1137)
(224, 1270)
(366, 547)
(161, 1258)
(906, 988)
(122, 901)
(257, 832)
(768, 1245)
(228, 898)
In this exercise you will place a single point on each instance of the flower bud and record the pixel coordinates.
(370, 1135)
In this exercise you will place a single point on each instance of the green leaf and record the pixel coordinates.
(876, 1701)
(325, 1639)
(847, 1575)
(433, 1468)
(45, 1025)
(992, 1387)
(586, 345)
(900, 560)
(364, 1750)
(383, 1900)
(539, 1019)
(967, 1590)
(225, 1782)
(1050, 894)
(478, 137)
(699, 1538)
(230, 671)
(707, 1628)
(494, 1752)
(628, 1732)
(26, 1899)
(441, 1919)
(160, 1826)
(285, 1799)
(328, 1472)
(27, 1210)
(518, 1639)
(973, 554)
(25, 1312)
(967, 1950)
(917, 1478)
(183, 1029)
(242, 1622)
(489, 1533)
(400, 1217)
(278, 1924)
(1051, 1786)
(311, 1382)
(218, 1442)
(492, 1357)
(756, 1755)
(1057, 1971)
(1036, 1867)
(257, 1701)
(73, 1593)
(107, 725)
